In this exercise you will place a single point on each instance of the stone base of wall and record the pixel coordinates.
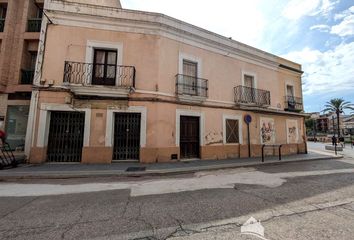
(154, 155)
(103, 155)
(93, 155)
(38, 155)
(220, 152)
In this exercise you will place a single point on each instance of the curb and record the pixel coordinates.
(168, 172)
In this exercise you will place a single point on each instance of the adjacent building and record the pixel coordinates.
(120, 85)
(20, 25)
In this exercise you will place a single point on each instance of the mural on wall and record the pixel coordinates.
(292, 131)
(267, 131)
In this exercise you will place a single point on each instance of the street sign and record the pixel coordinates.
(248, 119)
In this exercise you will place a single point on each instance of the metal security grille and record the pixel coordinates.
(189, 137)
(66, 134)
(232, 135)
(126, 136)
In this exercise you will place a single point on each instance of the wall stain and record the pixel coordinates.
(213, 138)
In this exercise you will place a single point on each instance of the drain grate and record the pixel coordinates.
(135, 169)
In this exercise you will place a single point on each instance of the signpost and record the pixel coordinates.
(248, 120)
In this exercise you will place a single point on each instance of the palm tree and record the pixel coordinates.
(337, 105)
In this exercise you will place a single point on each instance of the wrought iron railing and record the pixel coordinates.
(84, 74)
(2, 24)
(27, 76)
(188, 85)
(294, 104)
(248, 95)
(34, 25)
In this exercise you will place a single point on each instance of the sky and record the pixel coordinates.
(318, 34)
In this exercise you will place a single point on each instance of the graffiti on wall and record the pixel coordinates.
(292, 131)
(267, 131)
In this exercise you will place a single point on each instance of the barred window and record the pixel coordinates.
(232, 133)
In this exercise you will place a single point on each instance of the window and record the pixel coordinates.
(190, 74)
(33, 61)
(104, 67)
(232, 131)
(249, 81)
(249, 91)
(190, 68)
(3, 10)
(39, 13)
(289, 91)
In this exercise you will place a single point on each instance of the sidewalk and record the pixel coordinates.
(52, 171)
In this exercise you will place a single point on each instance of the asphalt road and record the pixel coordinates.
(305, 200)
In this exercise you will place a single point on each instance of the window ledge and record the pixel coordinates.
(191, 98)
(250, 104)
(102, 91)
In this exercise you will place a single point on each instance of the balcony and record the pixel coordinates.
(34, 25)
(99, 79)
(251, 96)
(191, 88)
(27, 77)
(2, 24)
(293, 104)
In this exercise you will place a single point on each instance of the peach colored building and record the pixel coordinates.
(20, 24)
(117, 84)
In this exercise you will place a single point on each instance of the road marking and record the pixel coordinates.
(202, 180)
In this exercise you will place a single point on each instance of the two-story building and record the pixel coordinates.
(20, 25)
(118, 85)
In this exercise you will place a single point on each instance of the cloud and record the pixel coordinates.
(326, 7)
(296, 9)
(348, 12)
(346, 26)
(326, 72)
(321, 28)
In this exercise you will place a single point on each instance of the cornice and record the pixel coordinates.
(89, 16)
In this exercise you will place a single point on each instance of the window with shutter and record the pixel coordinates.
(104, 67)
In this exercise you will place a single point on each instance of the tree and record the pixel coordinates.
(337, 106)
(310, 125)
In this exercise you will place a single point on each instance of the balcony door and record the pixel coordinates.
(290, 91)
(190, 75)
(290, 97)
(104, 67)
(250, 92)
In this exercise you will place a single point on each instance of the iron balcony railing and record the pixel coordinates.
(188, 85)
(27, 76)
(2, 24)
(87, 74)
(293, 104)
(34, 25)
(248, 95)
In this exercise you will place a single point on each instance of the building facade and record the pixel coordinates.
(20, 25)
(116, 84)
